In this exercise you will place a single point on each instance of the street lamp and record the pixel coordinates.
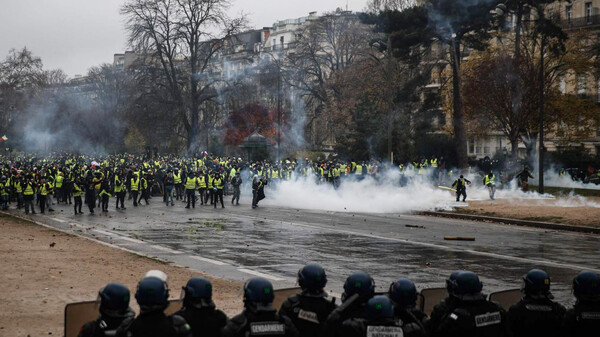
(502, 10)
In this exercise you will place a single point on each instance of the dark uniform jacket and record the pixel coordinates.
(206, 322)
(104, 326)
(413, 321)
(308, 313)
(531, 317)
(479, 318)
(360, 327)
(259, 323)
(155, 324)
(583, 320)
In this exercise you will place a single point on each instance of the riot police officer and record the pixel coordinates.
(466, 312)
(114, 309)
(358, 289)
(403, 294)
(199, 309)
(152, 296)
(378, 320)
(584, 318)
(536, 313)
(309, 309)
(259, 318)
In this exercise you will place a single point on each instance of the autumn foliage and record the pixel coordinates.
(245, 120)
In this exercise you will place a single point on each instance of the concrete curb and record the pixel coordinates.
(516, 222)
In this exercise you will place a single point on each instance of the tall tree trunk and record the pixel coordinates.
(458, 120)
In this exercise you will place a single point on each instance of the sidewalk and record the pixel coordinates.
(44, 269)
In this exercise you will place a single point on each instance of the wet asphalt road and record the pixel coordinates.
(238, 242)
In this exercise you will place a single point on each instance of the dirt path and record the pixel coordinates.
(42, 270)
(572, 210)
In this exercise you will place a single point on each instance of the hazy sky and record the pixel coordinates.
(76, 34)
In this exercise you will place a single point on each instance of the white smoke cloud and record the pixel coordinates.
(387, 196)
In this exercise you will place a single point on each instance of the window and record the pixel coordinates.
(477, 149)
(472, 145)
(563, 85)
(581, 85)
(569, 11)
(486, 150)
(588, 12)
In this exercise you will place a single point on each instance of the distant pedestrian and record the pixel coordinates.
(461, 188)
(236, 182)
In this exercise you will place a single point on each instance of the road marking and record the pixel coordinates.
(165, 249)
(59, 220)
(259, 274)
(203, 259)
(433, 245)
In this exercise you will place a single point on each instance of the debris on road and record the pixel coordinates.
(459, 238)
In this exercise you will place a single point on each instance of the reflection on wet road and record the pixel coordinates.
(278, 242)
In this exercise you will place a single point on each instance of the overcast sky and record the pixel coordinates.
(76, 34)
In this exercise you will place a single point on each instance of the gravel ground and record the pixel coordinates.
(578, 211)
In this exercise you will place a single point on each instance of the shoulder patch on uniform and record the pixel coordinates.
(308, 316)
(590, 315)
(266, 328)
(538, 307)
(384, 331)
(489, 318)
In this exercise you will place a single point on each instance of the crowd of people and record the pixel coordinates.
(362, 312)
(40, 182)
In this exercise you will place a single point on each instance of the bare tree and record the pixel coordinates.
(181, 36)
(374, 6)
(326, 46)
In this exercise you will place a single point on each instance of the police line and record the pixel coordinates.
(79, 313)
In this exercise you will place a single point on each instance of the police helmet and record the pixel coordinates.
(451, 279)
(152, 294)
(378, 308)
(467, 286)
(114, 300)
(198, 293)
(403, 293)
(358, 283)
(258, 294)
(536, 281)
(461, 176)
(312, 277)
(586, 286)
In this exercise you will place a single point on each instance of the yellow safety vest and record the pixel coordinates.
(202, 182)
(489, 180)
(59, 181)
(118, 184)
(177, 178)
(78, 192)
(28, 190)
(190, 183)
(218, 183)
(135, 184)
(44, 190)
(210, 181)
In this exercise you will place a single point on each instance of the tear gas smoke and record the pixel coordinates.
(386, 195)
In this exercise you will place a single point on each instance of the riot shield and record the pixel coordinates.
(282, 294)
(429, 298)
(506, 298)
(77, 314)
